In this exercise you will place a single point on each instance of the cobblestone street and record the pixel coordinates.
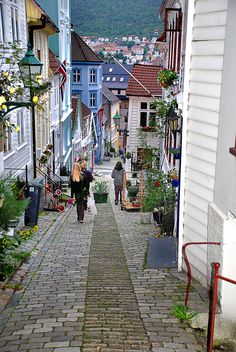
(87, 290)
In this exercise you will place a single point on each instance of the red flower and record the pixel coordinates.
(157, 184)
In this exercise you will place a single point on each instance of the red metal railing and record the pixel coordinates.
(213, 302)
(189, 273)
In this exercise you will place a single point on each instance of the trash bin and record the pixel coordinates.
(34, 195)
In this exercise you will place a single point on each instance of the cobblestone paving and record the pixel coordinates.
(50, 314)
(112, 319)
(157, 291)
(87, 290)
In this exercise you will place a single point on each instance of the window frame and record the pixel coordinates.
(93, 76)
(93, 96)
(2, 23)
(7, 143)
(14, 9)
(21, 123)
(149, 112)
(76, 74)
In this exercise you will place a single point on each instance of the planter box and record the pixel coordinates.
(162, 253)
(100, 197)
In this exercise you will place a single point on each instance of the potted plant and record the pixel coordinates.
(167, 77)
(133, 192)
(100, 191)
(176, 152)
(160, 195)
(43, 159)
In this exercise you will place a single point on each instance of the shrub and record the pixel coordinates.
(100, 187)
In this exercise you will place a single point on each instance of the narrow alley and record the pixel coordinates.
(88, 290)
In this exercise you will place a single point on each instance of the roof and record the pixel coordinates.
(54, 63)
(147, 76)
(85, 110)
(81, 51)
(108, 94)
(115, 76)
(35, 13)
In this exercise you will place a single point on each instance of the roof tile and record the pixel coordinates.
(147, 76)
(81, 51)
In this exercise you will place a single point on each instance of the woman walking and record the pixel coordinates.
(118, 175)
(88, 178)
(78, 189)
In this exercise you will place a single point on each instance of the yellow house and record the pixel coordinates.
(40, 26)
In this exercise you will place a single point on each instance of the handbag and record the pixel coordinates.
(91, 205)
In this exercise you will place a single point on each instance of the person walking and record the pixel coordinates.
(88, 178)
(78, 189)
(118, 175)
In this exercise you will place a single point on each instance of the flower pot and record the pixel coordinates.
(175, 183)
(100, 197)
(177, 156)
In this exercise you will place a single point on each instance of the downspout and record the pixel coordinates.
(33, 28)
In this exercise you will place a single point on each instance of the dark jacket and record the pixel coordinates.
(78, 189)
(87, 179)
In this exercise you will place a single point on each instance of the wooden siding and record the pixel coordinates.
(206, 66)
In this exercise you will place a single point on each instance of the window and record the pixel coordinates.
(2, 32)
(93, 76)
(21, 124)
(110, 69)
(92, 99)
(147, 115)
(15, 20)
(113, 79)
(143, 119)
(108, 79)
(76, 75)
(7, 140)
(121, 79)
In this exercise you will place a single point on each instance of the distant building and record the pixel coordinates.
(140, 109)
(87, 80)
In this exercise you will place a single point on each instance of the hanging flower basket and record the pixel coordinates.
(47, 152)
(166, 78)
(175, 183)
(49, 146)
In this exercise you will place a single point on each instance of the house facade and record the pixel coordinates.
(207, 203)
(142, 91)
(60, 44)
(87, 82)
(16, 150)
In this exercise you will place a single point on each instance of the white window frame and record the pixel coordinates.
(14, 8)
(8, 147)
(93, 76)
(93, 100)
(2, 22)
(76, 75)
(21, 124)
(148, 111)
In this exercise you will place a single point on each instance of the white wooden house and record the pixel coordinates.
(15, 151)
(208, 182)
(142, 90)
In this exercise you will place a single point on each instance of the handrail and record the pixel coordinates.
(50, 171)
(213, 302)
(189, 273)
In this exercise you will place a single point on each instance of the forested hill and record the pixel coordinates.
(111, 18)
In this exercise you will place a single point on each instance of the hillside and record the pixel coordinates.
(111, 18)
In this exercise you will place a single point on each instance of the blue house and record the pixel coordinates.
(60, 45)
(87, 82)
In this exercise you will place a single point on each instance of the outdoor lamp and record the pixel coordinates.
(30, 67)
(172, 119)
(116, 119)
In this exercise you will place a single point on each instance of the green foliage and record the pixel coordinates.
(11, 207)
(116, 18)
(100, 187)
(181, 312)
(158, 192)
(133, 191)
(10, 261)
(167, 77)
